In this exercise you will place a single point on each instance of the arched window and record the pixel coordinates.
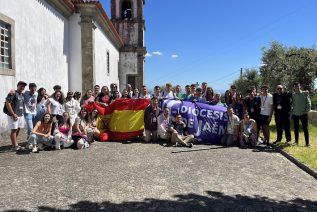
(126, 10)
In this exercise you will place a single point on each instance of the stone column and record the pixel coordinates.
(87, 52)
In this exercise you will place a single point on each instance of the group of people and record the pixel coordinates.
(55, 121)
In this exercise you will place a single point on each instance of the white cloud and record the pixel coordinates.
(148, 55)
(157, 53)
(174, 56)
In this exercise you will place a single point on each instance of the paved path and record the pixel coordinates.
(148, 177)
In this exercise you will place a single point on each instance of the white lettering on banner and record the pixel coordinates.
(204, 113)
(207, 127)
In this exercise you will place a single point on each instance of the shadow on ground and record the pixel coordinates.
(212, 201)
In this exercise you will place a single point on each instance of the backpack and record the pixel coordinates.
(5, 109)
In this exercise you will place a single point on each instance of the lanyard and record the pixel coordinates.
(263, 102)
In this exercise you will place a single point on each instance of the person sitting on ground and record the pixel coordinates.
(136, 94)
(92, 131)
(179, 133)
(125, 94)
(150, 120)
(103, 97)
(232, 131)
(198, 97)
(144, 94)
(41, 134)
(79, 130)
(63, 133)
(168, 92)
(217, 100)
(248, 131)
(163, 124)
(88, 97)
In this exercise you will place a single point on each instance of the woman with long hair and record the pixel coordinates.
(209, 94)
(104, 96)
(88, 97)
(79, 129)
(41, 134)
(63, 132)
(92, 131)
(41, 106)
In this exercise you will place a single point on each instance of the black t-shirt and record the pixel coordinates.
(179, 128)
(282, 103)
(253, 106)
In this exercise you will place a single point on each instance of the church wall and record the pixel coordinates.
(41, 47)
(128, 65)
(129, 33)
(102, 46)
(75, 63)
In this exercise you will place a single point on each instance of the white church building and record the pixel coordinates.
(72, 43)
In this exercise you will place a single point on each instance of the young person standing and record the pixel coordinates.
(266, 112)
(14, 108)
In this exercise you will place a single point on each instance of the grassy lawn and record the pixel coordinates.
(307, 155)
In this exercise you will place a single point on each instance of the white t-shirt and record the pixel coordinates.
(147, 96)
(233, 122)
(163, 123)
(30, 101)
(72, 107)
(56, 107)
(168, 95)
(266, 104)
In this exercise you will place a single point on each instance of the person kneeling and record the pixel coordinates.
(248, 134)
(231, 135)
(163, 124)
(63, 133)
(41, 134)
(180, 136)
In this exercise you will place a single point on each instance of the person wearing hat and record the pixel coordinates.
(14, 108)
(266, 112)
(30, 101)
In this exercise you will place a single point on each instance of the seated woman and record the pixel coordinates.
(41, 134)
(248, 133)
(92, 131)
(63, 132)
(79, 134)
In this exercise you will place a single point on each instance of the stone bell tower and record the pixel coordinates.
(127, 17)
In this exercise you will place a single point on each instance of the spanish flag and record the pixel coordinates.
(123, 119)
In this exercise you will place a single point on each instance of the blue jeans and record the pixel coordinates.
(29, 119)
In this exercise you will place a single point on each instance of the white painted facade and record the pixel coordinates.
(41, 47)
(48, 50)
(102, 46)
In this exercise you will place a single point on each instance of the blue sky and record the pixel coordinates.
(211, 40)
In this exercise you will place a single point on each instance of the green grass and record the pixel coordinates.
(306, 155)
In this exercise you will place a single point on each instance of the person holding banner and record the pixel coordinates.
(180, 136)
(150, 121)
(163, 124)
(232, 131)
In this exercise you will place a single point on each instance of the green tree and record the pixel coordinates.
(285, 65)
(250, 77)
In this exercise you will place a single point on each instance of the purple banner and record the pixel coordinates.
(206, 122)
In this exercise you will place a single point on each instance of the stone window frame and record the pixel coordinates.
(11, 22)
(108, 62)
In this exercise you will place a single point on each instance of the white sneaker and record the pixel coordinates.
(58, 147)
(30, 146)
(35, 149)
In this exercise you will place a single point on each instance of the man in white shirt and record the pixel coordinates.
(266, 112)
(164, 122)
(168, 92)
(30, 101)
(144, 93)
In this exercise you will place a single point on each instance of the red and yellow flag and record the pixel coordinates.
(123, 119)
